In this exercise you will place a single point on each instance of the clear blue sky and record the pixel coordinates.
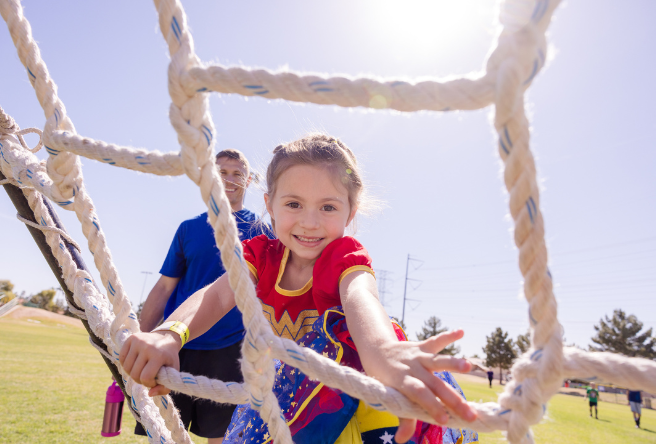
(593, 124)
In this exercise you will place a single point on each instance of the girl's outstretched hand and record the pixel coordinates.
(409, 368)
(143, 354)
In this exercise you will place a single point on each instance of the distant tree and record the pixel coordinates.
(46, 299)
(499, 351)
(6, 292)
(621, 334)
(139, 308)
(433, 327)
(523, 342)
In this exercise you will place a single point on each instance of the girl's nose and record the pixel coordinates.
(310, 220)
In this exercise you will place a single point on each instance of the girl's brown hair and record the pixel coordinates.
(318, 149)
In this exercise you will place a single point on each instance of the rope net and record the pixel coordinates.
(519, 55)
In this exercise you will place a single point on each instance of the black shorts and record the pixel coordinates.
(593, 403)
(208, 419)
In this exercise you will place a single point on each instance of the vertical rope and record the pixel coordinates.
(190, 116)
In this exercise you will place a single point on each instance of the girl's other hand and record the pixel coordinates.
(409, 368)
(143, 354)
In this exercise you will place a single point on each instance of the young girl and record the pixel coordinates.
(317, 287)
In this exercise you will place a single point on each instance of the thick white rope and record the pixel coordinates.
(520, 54)
(154, 162)
(65, 172)
(400, 95)
(97, 310)
(62, 233)
(190, 116)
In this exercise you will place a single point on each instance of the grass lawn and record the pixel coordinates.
(53, 384)
(568, 419)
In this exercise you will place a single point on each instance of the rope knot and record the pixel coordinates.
(9, 127)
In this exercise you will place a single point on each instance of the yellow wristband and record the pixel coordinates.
(178, 327)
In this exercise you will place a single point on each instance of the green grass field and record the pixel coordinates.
(53, 383)
(568, 420)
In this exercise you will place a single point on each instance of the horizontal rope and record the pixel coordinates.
(137, 159)
(429, 95)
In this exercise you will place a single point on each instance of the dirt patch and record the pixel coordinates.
(39, 314)
(572, 392)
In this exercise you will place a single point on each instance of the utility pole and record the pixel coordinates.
(145, 273)
(382, 277)
(405, 288)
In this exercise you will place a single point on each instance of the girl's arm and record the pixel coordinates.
(406, 366)
(143, 354)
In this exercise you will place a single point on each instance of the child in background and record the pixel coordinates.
(317, 287)
(593, 395)
(635, 402)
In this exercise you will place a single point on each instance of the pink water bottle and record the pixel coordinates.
(113, 411)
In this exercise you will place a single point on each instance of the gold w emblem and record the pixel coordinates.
(288, 329)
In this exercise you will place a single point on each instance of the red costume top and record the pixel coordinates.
(291, 313)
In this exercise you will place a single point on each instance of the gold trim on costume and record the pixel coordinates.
(282, 291)
(253, 270)
(355, 268)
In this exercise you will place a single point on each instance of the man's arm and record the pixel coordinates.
(153, 309)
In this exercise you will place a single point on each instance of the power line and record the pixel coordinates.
(566, 253)
(619, 244)
(561, 275)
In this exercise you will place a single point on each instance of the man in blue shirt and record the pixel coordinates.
(193, 262)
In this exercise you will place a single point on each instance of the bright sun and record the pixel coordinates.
(427, 27)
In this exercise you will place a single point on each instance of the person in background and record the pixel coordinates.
(490, 376)
(593, 395)
(635, 402)
(194, 262)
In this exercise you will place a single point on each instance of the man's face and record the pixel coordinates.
(235, 179)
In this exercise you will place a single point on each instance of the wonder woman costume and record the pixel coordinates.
(313, 317)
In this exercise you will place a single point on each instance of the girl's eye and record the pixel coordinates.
(328, 208)
(294, 205)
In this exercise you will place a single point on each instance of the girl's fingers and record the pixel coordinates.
(419, 393)
(158, 390)
(447, 394)
(442, 363)
(437, 343)
(406, 430)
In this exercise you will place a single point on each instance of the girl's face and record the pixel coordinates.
(310, 209)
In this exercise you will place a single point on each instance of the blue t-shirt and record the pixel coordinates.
(635, 396)
(194, 258)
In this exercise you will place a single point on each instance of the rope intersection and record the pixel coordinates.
(510, 69)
